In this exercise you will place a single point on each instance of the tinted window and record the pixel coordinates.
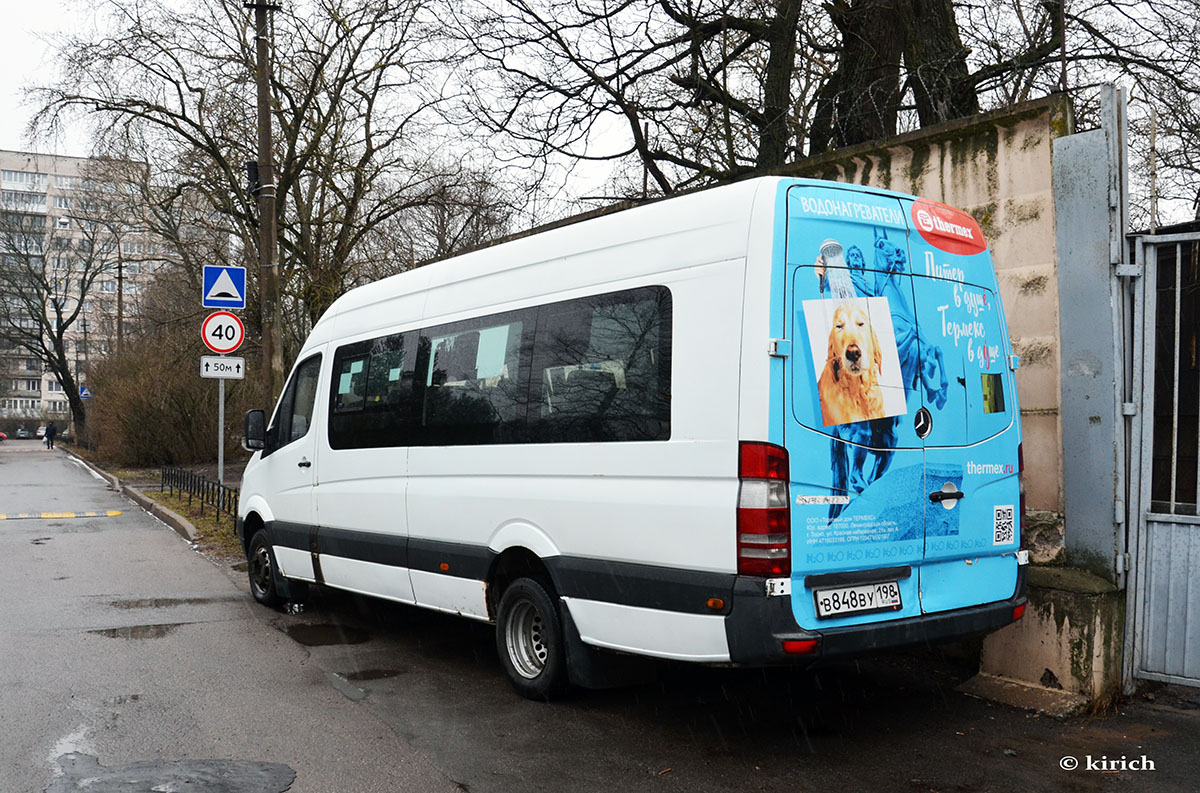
(474, 376)
(591, 369)
(602, 368)
(371, 396)
(295, 412)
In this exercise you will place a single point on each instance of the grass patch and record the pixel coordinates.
(136, 474)
(214, 536)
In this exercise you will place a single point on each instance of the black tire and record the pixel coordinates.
(529, 639)
(261, 568)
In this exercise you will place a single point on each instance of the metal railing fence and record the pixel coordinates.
(222, 498)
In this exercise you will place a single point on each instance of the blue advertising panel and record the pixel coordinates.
(899, 391)
(857, 464)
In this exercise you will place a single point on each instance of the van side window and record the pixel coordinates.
(371, 394)
(602, 368)
(295, 412)
(473, 378)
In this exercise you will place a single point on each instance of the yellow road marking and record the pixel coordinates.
(111, 513)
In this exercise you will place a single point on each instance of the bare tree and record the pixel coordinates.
(1152, 49)
(52, 275)
(710, 90)
(698, 90)
(355, 148)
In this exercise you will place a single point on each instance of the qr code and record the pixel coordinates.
(1003, 526)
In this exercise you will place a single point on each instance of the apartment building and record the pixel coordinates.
(69, 237)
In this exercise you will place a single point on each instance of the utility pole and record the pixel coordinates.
(120, 298)
(268, 272)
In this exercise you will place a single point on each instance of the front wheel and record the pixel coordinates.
(261, 566)
(529, 638)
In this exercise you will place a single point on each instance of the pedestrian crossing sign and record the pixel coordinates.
(224, 287)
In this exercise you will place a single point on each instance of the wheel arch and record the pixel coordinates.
(509, 565)
(251, 524)
(519, 549)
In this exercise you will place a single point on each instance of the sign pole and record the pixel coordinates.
(222, 332)
(221, 431)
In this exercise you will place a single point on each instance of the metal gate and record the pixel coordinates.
(1164, 546)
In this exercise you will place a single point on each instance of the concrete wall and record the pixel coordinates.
(998, 167)
(1069, 639)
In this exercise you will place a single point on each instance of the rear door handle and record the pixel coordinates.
(304, 464)
(939, 496)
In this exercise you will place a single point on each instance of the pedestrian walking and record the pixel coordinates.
(51, 431)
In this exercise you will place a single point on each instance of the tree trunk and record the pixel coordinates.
(936, 61)
(777, 85)
(866, 97)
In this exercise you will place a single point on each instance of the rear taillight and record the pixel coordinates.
(1021, 485)
(764, 519)
(800, 646)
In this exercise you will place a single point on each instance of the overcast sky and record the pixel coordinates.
(25, 59)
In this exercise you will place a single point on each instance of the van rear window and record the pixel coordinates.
(993, 392)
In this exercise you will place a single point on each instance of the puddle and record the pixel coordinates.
(81, 772)
(324, 634)
(373, 674)
(138, 631)
(163, 603)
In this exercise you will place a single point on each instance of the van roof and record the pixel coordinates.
(724, 212)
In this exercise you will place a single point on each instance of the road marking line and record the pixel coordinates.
(111, 513)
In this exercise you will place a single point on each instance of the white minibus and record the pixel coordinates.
(766, 423)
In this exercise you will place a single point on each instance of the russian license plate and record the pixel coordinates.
(858, 599)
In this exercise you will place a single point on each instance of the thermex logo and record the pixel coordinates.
(948, 229)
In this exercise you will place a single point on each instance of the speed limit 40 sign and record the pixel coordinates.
(222, 332)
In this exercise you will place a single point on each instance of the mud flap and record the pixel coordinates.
(289, 591)
(588, 667)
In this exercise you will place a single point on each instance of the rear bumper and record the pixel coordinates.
(757, 626)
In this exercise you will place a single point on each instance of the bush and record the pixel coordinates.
(151, 407)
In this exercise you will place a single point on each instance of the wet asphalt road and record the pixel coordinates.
(122, 645)
(129, 663)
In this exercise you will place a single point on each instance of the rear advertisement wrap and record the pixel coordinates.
(856, 461)
(969, 540)
(899, 387)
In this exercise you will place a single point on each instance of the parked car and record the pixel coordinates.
(21, 433)
(41, 431)
(3, 437)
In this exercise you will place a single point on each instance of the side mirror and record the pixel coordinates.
(254, 436)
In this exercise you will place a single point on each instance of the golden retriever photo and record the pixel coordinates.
(849, 385)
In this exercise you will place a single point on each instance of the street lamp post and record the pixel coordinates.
(268, 273)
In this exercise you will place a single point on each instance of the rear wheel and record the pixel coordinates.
(261, 567)
(529, 638)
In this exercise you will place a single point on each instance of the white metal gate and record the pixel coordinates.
(1164, 545)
